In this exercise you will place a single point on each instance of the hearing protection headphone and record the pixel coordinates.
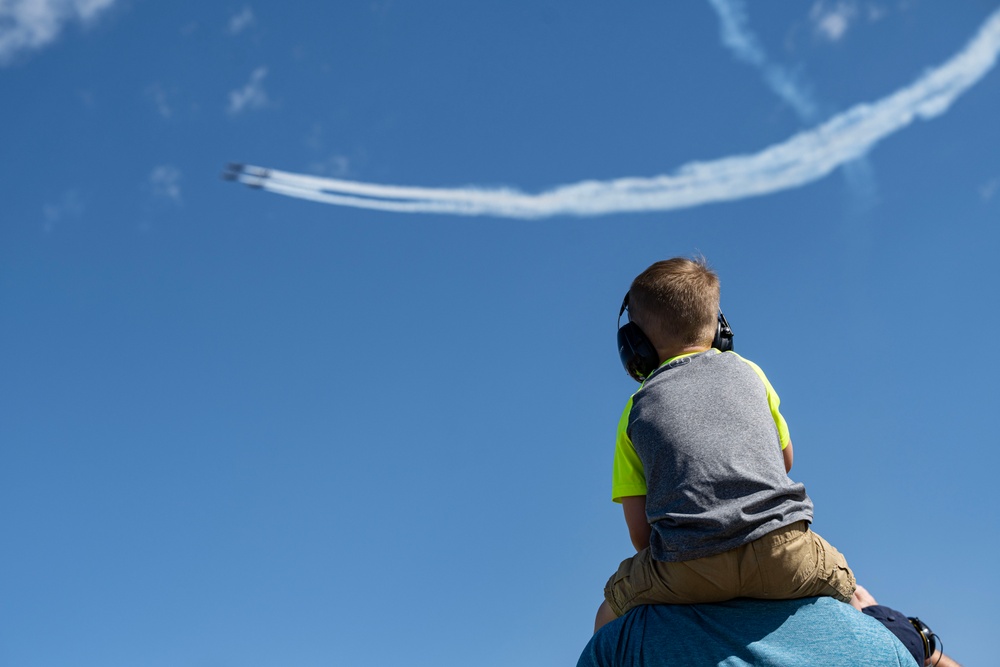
(638, 355)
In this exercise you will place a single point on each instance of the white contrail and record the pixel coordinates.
(803, 158)
(739, 39)
(736, 35)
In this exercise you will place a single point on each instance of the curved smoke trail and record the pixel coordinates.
(803, 158)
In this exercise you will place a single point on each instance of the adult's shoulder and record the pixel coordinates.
(790, 633)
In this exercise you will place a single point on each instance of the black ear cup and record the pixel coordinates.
(636, 352)
(723, 341)
(638, 355)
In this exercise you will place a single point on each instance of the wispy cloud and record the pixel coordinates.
(67, 206)
(165, 182)
(334, 165)
(241, 21)
(160, 98)
(29, 25)
(990, 188)
(251, 95)
(831, 20)
(803, 158)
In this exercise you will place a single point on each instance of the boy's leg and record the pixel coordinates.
(788, 563)
(643, 580)
(795, 562)
(604, 616)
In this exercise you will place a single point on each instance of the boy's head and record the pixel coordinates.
(676, 303)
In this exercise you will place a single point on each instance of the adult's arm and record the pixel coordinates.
(635, 518)
(939, 659)
(863, 599)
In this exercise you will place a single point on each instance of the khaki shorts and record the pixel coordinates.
(788, 563)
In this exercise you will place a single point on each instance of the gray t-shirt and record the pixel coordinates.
(743, 633)
(709, 446)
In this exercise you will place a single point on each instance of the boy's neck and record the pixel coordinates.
(677, 350)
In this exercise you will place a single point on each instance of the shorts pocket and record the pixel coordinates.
(630, 581)
(836, 573)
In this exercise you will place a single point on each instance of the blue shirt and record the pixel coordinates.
(809, 632)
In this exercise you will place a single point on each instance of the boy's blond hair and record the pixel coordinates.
(678, 299)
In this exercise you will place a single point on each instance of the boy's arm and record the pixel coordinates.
(788, 455)
(635, 518)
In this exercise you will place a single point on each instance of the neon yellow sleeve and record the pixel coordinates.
(773, 402)
(628, 477)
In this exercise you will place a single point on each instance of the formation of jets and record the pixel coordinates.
(248, 175)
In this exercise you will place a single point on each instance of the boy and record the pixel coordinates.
(701, 463)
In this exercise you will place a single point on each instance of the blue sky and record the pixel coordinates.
(241, 428)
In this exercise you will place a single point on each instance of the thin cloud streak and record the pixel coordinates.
(803, 158)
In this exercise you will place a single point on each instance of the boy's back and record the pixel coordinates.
(709, 442)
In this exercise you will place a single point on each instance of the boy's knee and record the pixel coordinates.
(836, 571)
